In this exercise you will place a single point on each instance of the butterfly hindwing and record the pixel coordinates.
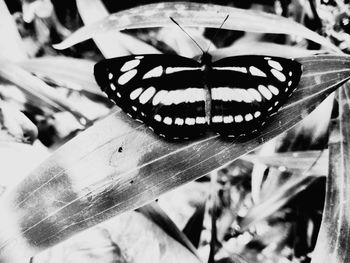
(246, 90)
(163, 91)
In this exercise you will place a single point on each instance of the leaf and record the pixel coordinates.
(198, 15)
(15, 123)
(11, 45)
(312, 162)
(114, 43)
(119, 164)
(41, 93)
(262, 48)
(334, 236)
(130, 237)
(72, 73)
(194, 226)
(276, 200)
(153, 212)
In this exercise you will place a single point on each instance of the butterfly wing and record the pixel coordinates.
(246, 90)
(163, 91)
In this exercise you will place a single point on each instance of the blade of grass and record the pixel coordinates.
(194, 14)
(119, 164)
(114, 43)
(333, 239)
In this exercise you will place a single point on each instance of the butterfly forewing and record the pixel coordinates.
(246, 90)
(164, 91)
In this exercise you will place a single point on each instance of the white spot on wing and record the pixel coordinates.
(228, 119)
(119, 95)
(194, 95)
(135, 93)
(176, 96)
(289, 83)
(255, 94)
(139, 57)
(200, 120)
(279, 75)
(171, 70)
(158, 97)
(248, 117)
(276, 65)
(113, 87)
(157, 117)
(168, 120)
(231, 94)
(134, 108)
(265, 92)
(256, 72)
(153, 73)
(257, 114)
(130, 65)
(110, 76)
(179, 121)
(147, 95)
(126, 77)
(237, 69)
(245, 95)
(273, 89)
(238, 118)
(190, 121)
(217, 119)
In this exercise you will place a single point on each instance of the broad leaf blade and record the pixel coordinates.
(333, 239)
(111, 43)
(119, 165)
(194, 14)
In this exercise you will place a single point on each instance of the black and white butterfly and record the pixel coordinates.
(179, 97)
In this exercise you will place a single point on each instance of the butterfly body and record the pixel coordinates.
(179, 97)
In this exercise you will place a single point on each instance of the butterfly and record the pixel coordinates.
(179, 97)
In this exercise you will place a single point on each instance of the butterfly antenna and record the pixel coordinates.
(217, 31)
(172, 19)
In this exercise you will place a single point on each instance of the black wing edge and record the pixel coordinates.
(100, 73)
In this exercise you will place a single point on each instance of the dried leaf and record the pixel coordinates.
(198, 15)
(118, 165)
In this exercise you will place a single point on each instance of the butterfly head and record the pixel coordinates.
(206, 59)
